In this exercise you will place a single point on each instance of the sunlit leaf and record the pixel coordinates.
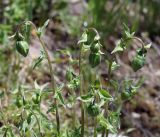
(83, 38)
(118, 47)
(148, 46)
(86, 98)
(106, 124)
(105, 94)
(39, 59)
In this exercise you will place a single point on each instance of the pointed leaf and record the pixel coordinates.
(119, 47)
(83, 38)
(105, 94)
(86, 98)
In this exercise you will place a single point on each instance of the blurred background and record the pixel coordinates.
(68, 19)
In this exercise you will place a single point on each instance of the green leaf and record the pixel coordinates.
(29, 118)
(59, 96)
(41, 29)
(97, 84)
(52, 108)
(115, 84)
(119, 47)
(45, 24)
(93, 109)
(105, 94)
(114, 119)
(114, 66)
(97, 37)
(86, 98)
(128, 33)
(83, 38)
(74, 83)
(39, 59)
(148, 46)
(95, 47)
(106, 124)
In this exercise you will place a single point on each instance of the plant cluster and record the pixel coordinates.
(99, 103)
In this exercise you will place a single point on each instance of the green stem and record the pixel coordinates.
(74, 111)
(5, 133)
(52, 82)
(50, 69)
(103, 133)
(81, 92)
(106, 104)
(138, 39)
(39, 127)
(17, 130)
(95, 127)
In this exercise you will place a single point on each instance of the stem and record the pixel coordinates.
(74, 117)
(17, 130)
(81, 92)
(139, 40)
(50, 68)
(106, 104)
(95, 127)
(52, 82)
(74, 111)
(5, 133)
(39, 127)
(103, 133)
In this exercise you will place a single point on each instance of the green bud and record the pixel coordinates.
(22, 47)
(95, 48)
(93, 110)
(18, 102)
(125, 95)
(36, 98)
(138, 62)
(94, 59)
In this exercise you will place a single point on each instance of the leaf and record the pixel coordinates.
(128, 33)
(148, 46)
(74, 83)
(105, 94)
(114, 66)
(52, 108)
(97, 84)
(83, 38)
(106, 124)
(114, 118)
(45, 24)
(58, 95)
(85, 48)
(119, 47)
(114, 84)
(29, 118)
(39, 59)
(97, 37)
(41, 29)
(86, 98)
(10, 132)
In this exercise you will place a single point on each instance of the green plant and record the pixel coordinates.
(94, 98)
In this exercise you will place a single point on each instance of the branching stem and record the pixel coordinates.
(50, 68)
